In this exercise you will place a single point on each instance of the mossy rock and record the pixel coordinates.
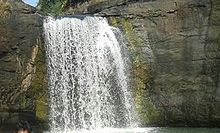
(147, 111)
(39, 85)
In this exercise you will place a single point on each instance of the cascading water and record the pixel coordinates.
(88, 84)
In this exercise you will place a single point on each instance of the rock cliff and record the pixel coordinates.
(175, 53)
(22, 65)
(175, 50)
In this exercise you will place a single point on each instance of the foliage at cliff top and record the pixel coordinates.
(57, 6)
(5, 9)
(52, 6)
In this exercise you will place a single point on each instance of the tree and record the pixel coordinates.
(52, 6)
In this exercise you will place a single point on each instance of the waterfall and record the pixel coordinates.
(88, 80)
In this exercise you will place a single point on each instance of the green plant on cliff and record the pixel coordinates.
(52, 6)
(56, 7)
(5, 9)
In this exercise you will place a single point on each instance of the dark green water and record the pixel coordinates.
(182, 130)
(146, 130)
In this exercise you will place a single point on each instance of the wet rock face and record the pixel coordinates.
(20, 29)
(175, 51)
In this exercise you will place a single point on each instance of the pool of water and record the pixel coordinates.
(148, 130)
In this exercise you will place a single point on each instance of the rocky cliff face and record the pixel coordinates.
(21, 63)
(175, 50)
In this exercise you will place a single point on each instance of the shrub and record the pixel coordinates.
(5, 9)
(52, 6)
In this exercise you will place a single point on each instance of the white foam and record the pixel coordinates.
(88, 83)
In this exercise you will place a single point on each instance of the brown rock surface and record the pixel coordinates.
(20, 48)
(175, 49)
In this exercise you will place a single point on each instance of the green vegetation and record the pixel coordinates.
(52, 6)
(56, 7)
(5, 9)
